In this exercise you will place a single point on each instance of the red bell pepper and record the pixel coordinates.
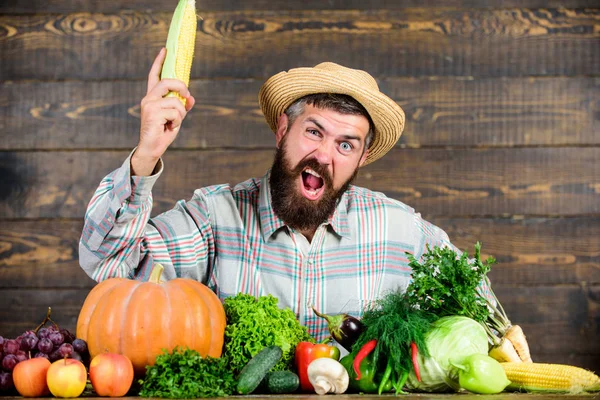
(306, 352)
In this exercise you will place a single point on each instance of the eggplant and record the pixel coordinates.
(344, 328)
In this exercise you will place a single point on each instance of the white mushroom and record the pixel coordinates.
(328, 376)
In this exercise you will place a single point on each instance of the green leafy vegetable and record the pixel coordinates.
(255, 323)
(186, 374)
(450, 339)
(446, 283)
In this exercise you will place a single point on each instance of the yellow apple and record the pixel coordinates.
(66, 378)
(111, 374)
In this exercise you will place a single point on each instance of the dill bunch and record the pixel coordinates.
(395, 324)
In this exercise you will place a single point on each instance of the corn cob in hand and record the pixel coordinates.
(180, 44)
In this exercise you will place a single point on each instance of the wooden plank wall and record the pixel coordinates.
(502, 141)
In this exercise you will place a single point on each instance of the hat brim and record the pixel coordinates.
(282, 89)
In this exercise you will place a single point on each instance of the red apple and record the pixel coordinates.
(111, 374)
(29, 377)
(66, 378)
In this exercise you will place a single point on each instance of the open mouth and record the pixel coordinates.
(312, 184)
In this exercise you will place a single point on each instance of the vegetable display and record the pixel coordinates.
(435, 336)
(136, 318)
(255, 323)
(446, 283)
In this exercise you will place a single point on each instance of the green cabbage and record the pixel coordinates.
(450, 338)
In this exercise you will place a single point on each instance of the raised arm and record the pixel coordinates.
(117, 239)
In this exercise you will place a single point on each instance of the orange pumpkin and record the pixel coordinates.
(140, 319)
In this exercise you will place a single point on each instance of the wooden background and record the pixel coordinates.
(502, 141)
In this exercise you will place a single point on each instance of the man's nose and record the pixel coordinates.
(324, 152)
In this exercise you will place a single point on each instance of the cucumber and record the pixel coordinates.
(257, 368)
(281, 382)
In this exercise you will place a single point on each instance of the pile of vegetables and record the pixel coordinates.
(255, 323)
(446, 284)
(433, 337)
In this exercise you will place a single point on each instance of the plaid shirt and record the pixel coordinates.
(230, 239)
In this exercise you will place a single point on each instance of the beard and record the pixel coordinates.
(292, 207)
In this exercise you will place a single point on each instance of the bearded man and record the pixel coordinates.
(302, 232)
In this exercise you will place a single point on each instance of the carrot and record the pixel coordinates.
(504, 352)
(517, 337)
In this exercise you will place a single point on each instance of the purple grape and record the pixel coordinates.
(1, 341)
(35, 342)
(42, 333)
(69, 337)
(65, 349)
(80, 346)
(29, 333)
(29, 343)
(6, 382)
(9, 362)
(56, 338)
(22, 356)
(45, 345)
(54, 356)
(11, 346)
(41, 355)
(52, 328)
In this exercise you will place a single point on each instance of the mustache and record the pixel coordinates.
(316, 166)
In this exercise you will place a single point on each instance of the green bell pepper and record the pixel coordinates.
(370, 378)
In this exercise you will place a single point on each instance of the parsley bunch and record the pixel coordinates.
(186, 374)
(446, 283)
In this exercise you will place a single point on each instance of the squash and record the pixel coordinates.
(142, 319)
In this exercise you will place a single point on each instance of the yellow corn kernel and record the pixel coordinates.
(540, 377)
(180, 44)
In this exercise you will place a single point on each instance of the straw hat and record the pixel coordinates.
(281, 90)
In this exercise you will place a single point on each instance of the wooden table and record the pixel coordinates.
(412, 396)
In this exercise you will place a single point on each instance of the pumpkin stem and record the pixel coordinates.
(157, 271)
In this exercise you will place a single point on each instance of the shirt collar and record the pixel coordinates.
(270, 222)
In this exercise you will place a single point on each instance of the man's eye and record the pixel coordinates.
(346, 146)
(313, 132)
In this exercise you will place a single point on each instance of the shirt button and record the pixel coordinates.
(310, 261)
